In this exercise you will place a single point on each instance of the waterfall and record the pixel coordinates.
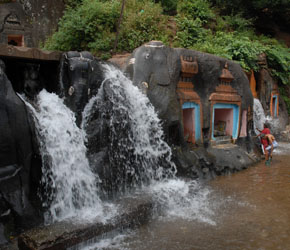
(137, 142)
(138, 154)
(68, 182)
(258, 116)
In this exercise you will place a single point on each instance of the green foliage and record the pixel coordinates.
(73, 3)
(193, 9)
(279, 61)
(231, 37)
(169, 6)
(238, 23)
(273, 10)
(143, 21)
(91, 26)
(189, 32)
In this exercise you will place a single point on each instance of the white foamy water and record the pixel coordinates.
(135, 130)
(69, 183)
(282, 149)
(260, 119)
(184, 200)
(258, 116)
(178, 198)
(113, 240)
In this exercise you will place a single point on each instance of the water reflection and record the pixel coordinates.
(251, 211)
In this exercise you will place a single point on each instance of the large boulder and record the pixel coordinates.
(16, 153)
(160, 69)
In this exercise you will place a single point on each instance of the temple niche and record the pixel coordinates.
(189, 101)
(15, 29)
(28, 23)
(206, 99)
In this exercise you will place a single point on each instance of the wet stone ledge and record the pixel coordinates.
(133, 212)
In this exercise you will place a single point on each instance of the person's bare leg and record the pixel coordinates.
(267, 162)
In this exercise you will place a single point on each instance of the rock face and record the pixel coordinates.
(204, 102)
(273, 104)
(212, 85)
(16, 153)
(29, 22)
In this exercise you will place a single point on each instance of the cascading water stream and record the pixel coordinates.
(69, 184)
(136, 141)
(143, 151)
(258, 116)
(136, 137)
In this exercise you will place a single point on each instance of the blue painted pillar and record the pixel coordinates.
(275, 100)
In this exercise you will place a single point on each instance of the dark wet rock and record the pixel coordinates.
(133, 212)
(16, 152)
(32, 83)
(230, 158)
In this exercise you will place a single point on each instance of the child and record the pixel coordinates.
(272, 144)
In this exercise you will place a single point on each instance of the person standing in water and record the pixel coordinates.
(269, 147)
(264, 142)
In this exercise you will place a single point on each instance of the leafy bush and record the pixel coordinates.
(193, 9)
(73, 3)
(143, 21)
(238, 23)
(278, 58)
(189, 32)
(91, 26)
(169, 6)
(271, 10)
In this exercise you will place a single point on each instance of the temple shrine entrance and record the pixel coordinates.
(189, 101)
(225, 113)
(225, 120)
(16, 40)
(274, 105)
(191, 121)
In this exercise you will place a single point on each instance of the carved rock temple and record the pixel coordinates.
(204, 102)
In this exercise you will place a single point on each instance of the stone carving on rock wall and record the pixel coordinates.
(75, 68)
(32, 84)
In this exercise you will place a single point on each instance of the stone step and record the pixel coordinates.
(223, 138)
(219, 142)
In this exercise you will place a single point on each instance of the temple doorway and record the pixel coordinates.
(16, 40)
(191, 121)
(225, 120)
(274, 106)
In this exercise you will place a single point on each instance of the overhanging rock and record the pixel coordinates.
(28, 53)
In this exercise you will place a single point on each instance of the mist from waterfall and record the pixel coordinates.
(70, 187)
